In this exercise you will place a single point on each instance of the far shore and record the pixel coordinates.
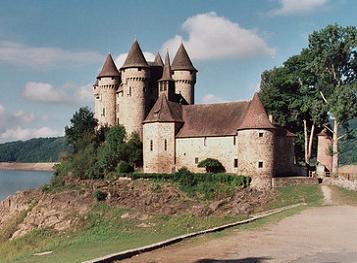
(27, 166)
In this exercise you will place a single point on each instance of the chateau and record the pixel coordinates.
(156, 100)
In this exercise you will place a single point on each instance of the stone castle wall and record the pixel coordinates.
(159, 147)
(184, 84)
(220, 148)
(132, 99)
(256, 147)
(105, 101)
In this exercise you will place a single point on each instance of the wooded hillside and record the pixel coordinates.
(34, 150)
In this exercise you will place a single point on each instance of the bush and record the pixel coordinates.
(100, 196)
(211, 165)
(201, 185)
(124, 167)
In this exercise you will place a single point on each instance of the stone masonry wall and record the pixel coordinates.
(157, 159)
(252, 150)
(184, 84)
(221, 148)
(105, 101)
(132, 99)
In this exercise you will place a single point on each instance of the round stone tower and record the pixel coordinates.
(105, 88)
(324, 155)
(133, 94)
(184, 75)
(256, 136)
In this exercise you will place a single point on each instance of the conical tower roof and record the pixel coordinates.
(256, 117)
(166, 74)
(165, 111)
(182, 61)
(158, 60)
(109, 69)
(135, 58)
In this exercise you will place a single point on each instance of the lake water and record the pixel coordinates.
(13, 181)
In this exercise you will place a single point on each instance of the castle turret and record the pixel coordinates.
(256, 136)
(324, 156)
(132, 96)
(104, 90)
(166, 83)
(160, 127)
(184, 74)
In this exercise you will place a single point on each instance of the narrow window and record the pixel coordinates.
(139, 69)
(103, 112)
(205, 141)
(151, 145)
(129, 94)
(261, 134)
(235, 163)
(260, 164)
(165, 145)
(234, 140)
(196, 160)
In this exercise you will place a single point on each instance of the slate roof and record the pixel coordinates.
(256, 117)
(109, 68)
(166, 74)
(165, 111)
(135, 58)
(182, 61)
(158, 60)
(220, 119)
(325, 132)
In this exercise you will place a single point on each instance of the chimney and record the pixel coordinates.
(271, 118)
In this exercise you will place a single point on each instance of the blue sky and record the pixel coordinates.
(51, 51)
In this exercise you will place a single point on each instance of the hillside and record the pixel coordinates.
(348, 148)
(34, 150)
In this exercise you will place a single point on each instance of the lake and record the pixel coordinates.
(13, 181)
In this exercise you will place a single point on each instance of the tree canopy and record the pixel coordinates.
(315, 87)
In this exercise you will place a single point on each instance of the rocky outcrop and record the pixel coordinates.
(64, 210)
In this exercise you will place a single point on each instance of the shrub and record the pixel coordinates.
(100, 196)
(124, 167)
(211, 165)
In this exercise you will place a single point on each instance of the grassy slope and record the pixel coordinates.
(106, 232)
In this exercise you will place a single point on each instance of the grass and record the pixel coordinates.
(289, 195)
(343, 196)
(104, 231)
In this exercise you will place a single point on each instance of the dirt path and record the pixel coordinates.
(323, 234)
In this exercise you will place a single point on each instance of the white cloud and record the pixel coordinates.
(298, 7)
(215, 37)
(2, 109)
(119, 60)
(47, 93)
(25, 117)
(211, 98)
(43, 92)
(25, 55)
(20, 133)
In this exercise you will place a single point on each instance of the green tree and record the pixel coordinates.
(211, 165)
(82, 127)
(334, 53)
(134, 150)
(113, 149)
